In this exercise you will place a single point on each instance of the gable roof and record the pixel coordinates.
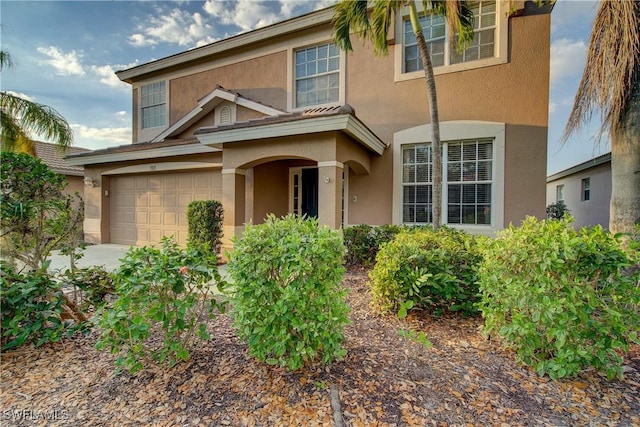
(322, 119)
(208, 103)
(55, 159)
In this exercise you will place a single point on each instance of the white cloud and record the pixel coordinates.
(21, 95)
(252, 14)
(177, 26)
(66, 64)
(139, 40)
(567, 59)
(94, 138)
(553, 106)
(107, 75)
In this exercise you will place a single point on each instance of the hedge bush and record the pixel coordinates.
(434, 270)
(204, 219)
(362, 242)
(559, 297)
(31, 307)
(287, 301)
(164, 299)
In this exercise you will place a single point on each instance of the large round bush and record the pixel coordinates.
(561, 298)
(435, 270)
(287, 301)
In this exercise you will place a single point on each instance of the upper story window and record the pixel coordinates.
(488, 47)
(153, 105)
(317, 75)
(586, 189)
(436, 34)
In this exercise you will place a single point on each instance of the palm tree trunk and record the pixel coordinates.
(625, 167)
(436, 146)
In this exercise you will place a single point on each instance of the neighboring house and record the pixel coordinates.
(585, 189)
(55, 159)
(277, 120)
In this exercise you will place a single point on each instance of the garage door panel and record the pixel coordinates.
(144, 208)
(169, 183)
(155, 200)
(142, 201)
(142, 218)
(155, 218)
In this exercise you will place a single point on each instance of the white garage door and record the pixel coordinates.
(144, 208)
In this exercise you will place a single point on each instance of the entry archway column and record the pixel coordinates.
(233, 202)
(330, 194)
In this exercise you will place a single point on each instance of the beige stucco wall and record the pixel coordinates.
(271, 190)
(75, 184)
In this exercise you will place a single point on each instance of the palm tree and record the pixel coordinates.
(611, 84)
(353, 15)
(20, 117)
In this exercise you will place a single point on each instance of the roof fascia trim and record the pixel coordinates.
(179, 150)
(343, 122)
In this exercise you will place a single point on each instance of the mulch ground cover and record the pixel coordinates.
(385, 380)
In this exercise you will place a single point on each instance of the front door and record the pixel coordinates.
(304, 192)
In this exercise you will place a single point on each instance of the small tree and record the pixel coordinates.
(36, 216)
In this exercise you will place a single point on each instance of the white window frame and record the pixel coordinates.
(147, 134)
(501, 50)
(455, 131)
(560, 193)
(291, 75)
(585, 189)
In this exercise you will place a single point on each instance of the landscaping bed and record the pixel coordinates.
(385, 380)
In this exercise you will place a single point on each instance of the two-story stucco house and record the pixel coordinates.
(278, 120)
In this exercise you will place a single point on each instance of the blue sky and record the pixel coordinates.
(66, 53)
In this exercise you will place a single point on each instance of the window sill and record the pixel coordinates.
(447, 69)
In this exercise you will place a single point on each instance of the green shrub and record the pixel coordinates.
(93, 282)
(164, 299)
(362, 242)
(434, 270)
(204, 219)
(31, 308)
(557, 210)
(287, 302)
(557, 296)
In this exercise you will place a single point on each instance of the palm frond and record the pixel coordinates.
(5, 60)
(34, 118)
(381, 21)
(350, 15)
(612, 67)
(459, 18)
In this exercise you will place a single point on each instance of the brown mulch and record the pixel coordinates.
(384, 380)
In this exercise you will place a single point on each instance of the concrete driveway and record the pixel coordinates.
(107, 255)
